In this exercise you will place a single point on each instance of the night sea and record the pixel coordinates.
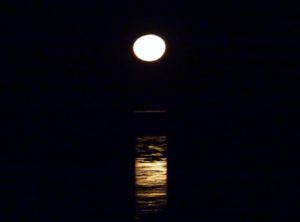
(207, 133)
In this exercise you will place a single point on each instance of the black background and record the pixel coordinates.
(70, 84)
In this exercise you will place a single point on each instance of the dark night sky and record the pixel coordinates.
(221, 55)
(69, 83)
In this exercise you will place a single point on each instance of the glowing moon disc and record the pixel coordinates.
(149, 48)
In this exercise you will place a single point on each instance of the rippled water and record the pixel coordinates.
(150, 176)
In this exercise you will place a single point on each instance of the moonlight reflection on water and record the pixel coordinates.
(151, 175)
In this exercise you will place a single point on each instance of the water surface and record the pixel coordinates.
(150, 176)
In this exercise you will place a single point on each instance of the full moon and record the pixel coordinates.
(149, 48)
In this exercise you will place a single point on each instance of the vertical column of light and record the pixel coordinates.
(151, 175)
(151, 159)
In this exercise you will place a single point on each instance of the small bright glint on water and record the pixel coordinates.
(149, 48)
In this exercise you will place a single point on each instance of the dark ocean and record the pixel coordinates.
(147, 167)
